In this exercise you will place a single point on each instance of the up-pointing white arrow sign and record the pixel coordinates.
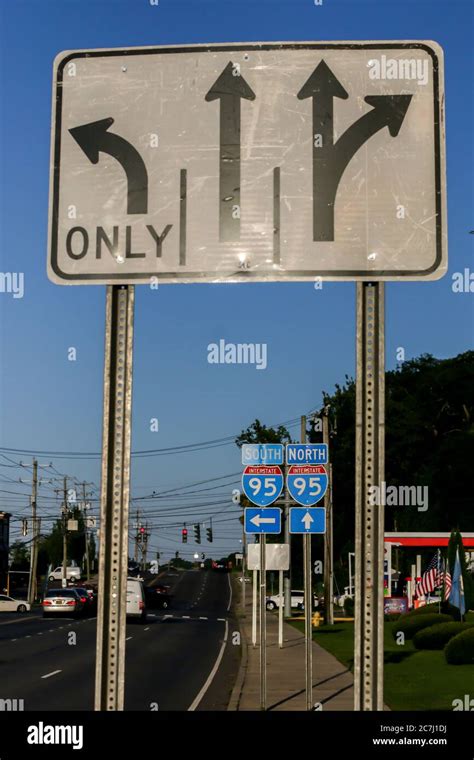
(257, 520)
(307, 520)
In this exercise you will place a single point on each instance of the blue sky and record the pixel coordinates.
(48, 403)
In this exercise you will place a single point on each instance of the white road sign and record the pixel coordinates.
(271, 161)
(277, 557)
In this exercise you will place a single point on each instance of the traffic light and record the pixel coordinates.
(203, 556)
(197, 533)
(184, 536)
(209, 534)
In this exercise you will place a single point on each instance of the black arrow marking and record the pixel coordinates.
(94, 138)
(229, 89)
(331, 159)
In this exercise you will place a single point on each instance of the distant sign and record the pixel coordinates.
(262, 453)
(277, 557)
(254, 161)
(262, 485)
(307, 484)
(306, 453)
(311, 520)
(262, 520)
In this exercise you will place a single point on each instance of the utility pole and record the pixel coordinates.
(145, 546)
(137, 525)
(34, 544)
(328, 540)
(65, 513)
(86, 532)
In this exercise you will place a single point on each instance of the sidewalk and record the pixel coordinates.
(332, 682)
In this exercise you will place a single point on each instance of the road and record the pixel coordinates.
(178, 660)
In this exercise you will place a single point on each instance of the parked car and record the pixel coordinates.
(66, 601)
(136, 602)
(297, 601)
(8, 604)
(247, 579)
(72, 574)
(157, 597)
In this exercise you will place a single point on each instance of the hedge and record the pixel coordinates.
(460, 649)
(437, 636)
(411, 625)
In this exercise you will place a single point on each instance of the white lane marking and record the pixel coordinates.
(186, 617)
(28, 637)
(221, 620)
(146, 629)
(13, 639)
(40, 633)
(230, 592)
(51, 630)
(213, 672)
(151, 614)
(205, 618)
(169, 616)
(53, 673)
(131, 637)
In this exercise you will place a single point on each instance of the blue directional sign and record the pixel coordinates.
(262, 520)
(262, 453)
(262, 485)
(307, 483)
(306, 453)
(307, 520)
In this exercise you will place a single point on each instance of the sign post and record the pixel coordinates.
(263, 625)
(370, 460)
(114, 499)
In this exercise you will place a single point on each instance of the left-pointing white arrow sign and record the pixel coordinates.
(257, 520)
(307, 520)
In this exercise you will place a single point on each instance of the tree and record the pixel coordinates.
(19, 556)
(258, 433)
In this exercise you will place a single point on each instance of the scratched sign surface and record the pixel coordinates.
(288, 161)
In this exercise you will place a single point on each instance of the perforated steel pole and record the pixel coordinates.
(370, 461)
(114, 500)
(263, 625)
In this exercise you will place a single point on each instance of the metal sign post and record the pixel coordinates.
(370, 459)
(308, 630)
(114, 500)
(280, 608)
(254, 608)
(263, 625)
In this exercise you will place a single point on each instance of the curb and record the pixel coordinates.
(234, 700)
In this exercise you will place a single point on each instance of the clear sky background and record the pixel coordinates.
(48, 403)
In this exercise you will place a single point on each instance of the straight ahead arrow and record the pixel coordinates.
(307, 520)
(229, 88)
(94, 138)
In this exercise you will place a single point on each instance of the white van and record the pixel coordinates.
(136, 607)
(72, 574)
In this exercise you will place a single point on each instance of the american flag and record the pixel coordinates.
(432, 577)
(447, 582)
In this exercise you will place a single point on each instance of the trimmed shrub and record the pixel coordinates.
(409, 625)
(437, 636)
(433, 609)
(460, 649)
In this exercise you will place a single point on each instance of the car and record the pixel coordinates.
(136, 602)
(88, 597)
(157, 597)
(72, 574)
(66, 601)
(247, 579)
(9, 604)
(222, 566)
(297, 601)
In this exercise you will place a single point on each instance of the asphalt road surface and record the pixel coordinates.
(182, 658)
